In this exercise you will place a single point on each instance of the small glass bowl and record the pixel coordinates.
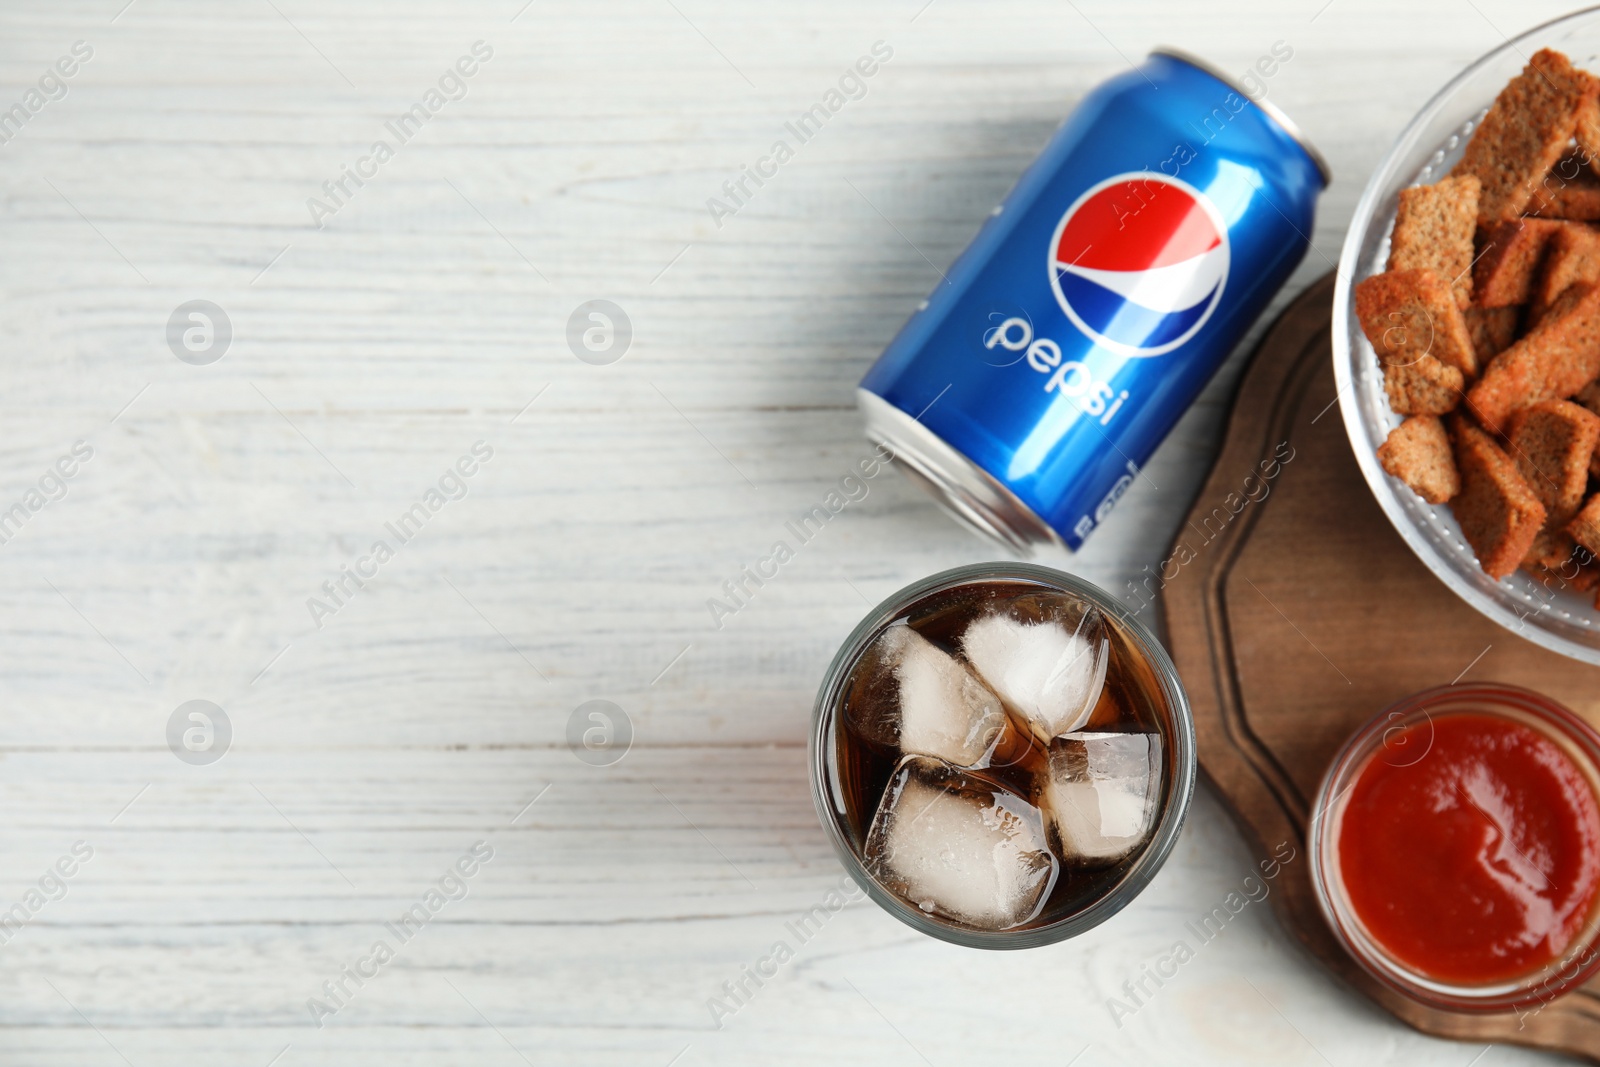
(1174, 723)
(1379, 739)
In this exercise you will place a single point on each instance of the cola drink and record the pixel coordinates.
(1001, 757)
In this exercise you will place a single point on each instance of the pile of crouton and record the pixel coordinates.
(1487, 324)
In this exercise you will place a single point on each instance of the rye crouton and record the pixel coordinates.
(1433, 230)
(1409, 314)
(1585, 529)
(1558, 358)
(1551, 444)
(1426, 387)
(1578, 570)
(1572, 256)
(1587, 133)
(1499, 514)
(1525, 133)
(1551, 549)
(1418, 453)
(1571, 190)
(1589, 397)
(1491, 330)
(1579, 201)
(1585, 526)
(1509, 259)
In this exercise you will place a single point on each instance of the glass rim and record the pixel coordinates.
(1180, 736)
(1579, 740)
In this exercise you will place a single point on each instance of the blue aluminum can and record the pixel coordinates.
(1096, 302)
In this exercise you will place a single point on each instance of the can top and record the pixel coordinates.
(1270, 108)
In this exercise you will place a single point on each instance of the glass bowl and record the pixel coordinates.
(1559, 620)
(1173, 720)
(1382, 738)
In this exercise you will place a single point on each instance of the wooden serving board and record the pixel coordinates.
(1295, 617)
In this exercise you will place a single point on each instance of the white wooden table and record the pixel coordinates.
(429, 710)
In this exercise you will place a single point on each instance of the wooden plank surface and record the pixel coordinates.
(429, 313)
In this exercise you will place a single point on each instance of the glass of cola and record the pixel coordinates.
(1002, 755)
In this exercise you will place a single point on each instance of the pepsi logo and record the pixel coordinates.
(1139, 262)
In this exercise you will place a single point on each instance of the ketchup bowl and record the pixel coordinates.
(1455, 848)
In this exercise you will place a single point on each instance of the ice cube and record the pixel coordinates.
(960, 846)
(1101, 793)
(1045, 656)
(912, 695)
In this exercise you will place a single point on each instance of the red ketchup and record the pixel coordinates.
(1470, 849)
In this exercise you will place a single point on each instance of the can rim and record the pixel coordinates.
(1272, 110)
(965, 491)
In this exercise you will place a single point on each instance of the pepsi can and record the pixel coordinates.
(1096, 302)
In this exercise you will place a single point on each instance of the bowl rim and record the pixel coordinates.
(1376, 477)
(1575, 735)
